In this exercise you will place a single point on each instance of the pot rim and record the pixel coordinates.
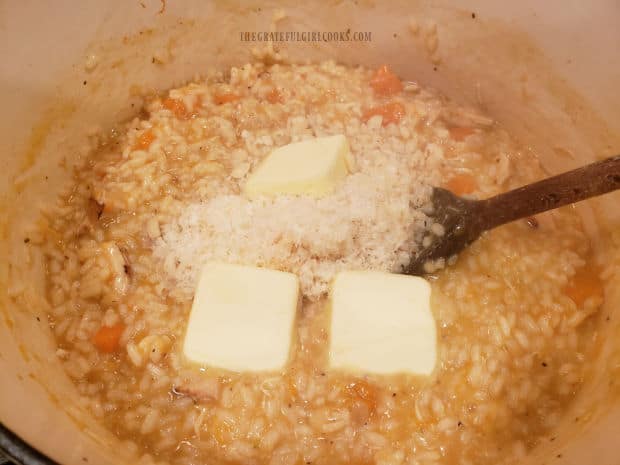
(19, 451)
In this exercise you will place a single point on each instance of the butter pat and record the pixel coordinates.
(382, 323)
(311, 167)
(242, 318)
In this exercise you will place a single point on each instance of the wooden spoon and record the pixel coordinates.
(464, 220)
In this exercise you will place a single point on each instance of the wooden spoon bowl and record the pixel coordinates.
(463, 220)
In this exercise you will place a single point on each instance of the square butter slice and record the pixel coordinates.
(382, 323)
(312, 167)
(242, 318)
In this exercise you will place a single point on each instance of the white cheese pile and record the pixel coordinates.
(370, 221)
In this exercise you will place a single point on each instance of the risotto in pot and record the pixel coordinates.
(161, 198)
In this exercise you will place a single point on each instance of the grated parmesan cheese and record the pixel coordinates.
(369, 223)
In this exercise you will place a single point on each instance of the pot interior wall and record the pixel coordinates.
(88, 65)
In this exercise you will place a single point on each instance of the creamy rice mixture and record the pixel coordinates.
(159, 199)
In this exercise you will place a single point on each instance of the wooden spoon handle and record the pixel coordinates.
(573, 186)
